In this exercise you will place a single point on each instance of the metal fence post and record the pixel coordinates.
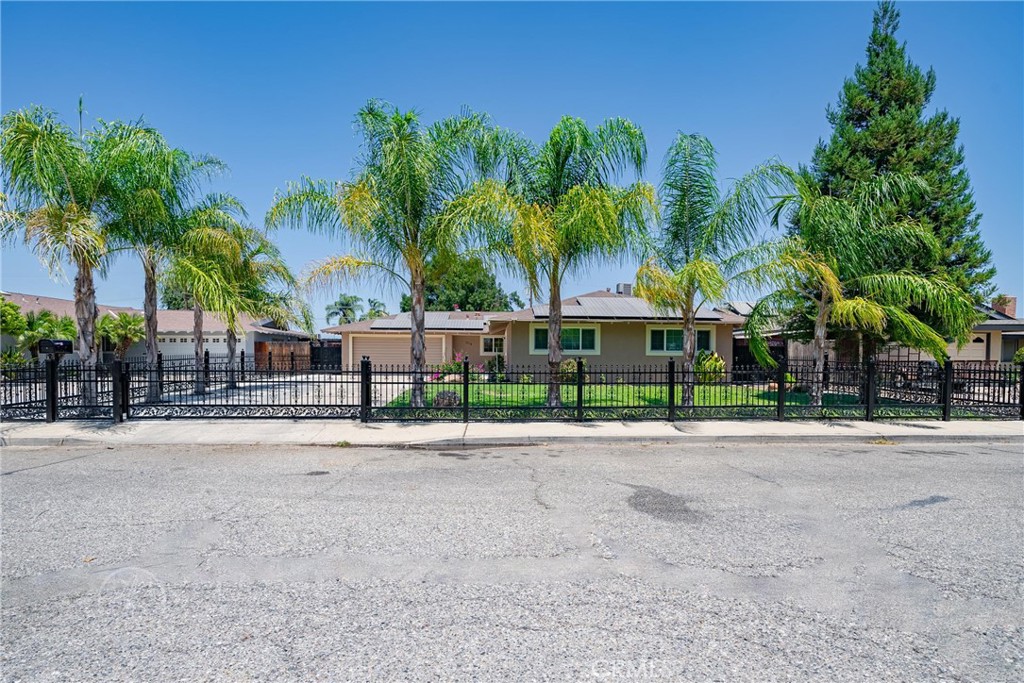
(780, 381)
(241, 365)
(825, 376)
(160, 373)
(947, 390)
(206, 366)
(671, 389)
(465, 390)
(579, 389)
(292, 361)
(126, 390)
(364, 389)
(1020, 388)
(869, 402)
(51, 389)
(270, 361)
(116, 404)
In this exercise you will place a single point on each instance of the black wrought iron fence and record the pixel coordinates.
(577, 390)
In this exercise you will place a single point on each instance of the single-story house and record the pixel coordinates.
(447, 333)
(605, 327)
(174, 328)
(995, 339)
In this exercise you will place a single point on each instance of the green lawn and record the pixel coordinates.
(614, 396)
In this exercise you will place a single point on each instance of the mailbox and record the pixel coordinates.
(55, 346)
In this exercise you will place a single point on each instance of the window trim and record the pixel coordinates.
(534, 351)
(492, 353)
(710, 329)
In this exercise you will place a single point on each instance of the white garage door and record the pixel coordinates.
(394, 349)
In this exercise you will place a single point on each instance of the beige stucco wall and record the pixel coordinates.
(621, 343)
(989, 348)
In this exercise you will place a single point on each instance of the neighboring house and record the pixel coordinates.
(607, 328)
(174, 328)
(447, 333)
(995, 339)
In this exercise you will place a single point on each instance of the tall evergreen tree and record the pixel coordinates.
(880, 126)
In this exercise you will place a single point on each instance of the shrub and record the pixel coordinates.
(496, 369)
(709, 368)
(446, 399)
(567, 370)
(526, 378)
(12, 359)
(1018, 357)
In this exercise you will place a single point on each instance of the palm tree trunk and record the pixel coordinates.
(197, 324)
(85, 312)
(554, 340)
(817, 387)
(417, 318)
(232, 343)
(689, 351)
(149, 311)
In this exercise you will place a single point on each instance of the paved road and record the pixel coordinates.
(617, 563)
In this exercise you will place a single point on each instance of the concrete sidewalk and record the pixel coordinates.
(451, 435)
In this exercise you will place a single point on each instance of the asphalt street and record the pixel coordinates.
(618, 562)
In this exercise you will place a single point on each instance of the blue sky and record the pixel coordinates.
(272, 88)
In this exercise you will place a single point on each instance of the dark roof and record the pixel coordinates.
(458, 321)
(604, 305)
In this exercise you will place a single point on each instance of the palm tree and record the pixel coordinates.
(41, 325)
(554, 211)
(391, 213)
(376, 309)
(122, 330)
(346, 308)
(838, 260)
(266, 287)
(149, 201)
(204, 263)
(60, 185)
(702, 229)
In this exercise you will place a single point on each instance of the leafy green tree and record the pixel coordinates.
(464, 283)
(60, 188)
(839, 263)
(880, 126)
(391, 213)
(554, 211)
(174, 298)
(345, 309)
(122, 330)
(12, 322)
(702, 230)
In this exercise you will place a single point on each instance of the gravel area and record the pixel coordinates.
(854, 562)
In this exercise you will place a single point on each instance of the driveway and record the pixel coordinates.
(595, 563)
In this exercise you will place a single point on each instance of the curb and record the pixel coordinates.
(487, 442)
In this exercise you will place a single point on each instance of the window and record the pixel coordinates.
(668, 341)
(492, 346)
(579, 339)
